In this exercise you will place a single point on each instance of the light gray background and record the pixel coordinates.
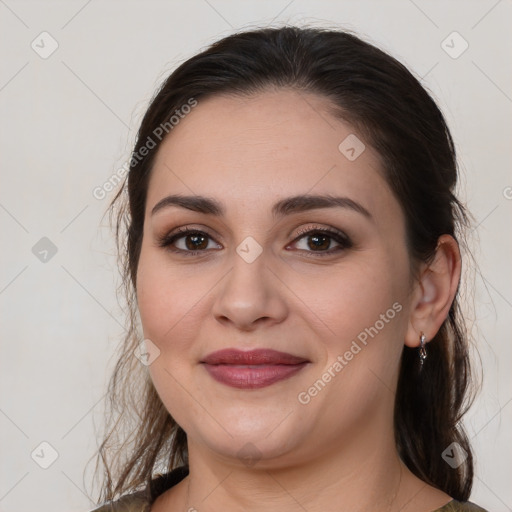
(67, 124)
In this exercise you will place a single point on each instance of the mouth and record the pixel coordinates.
(252, 369)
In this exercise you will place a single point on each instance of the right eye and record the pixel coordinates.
(192, 241)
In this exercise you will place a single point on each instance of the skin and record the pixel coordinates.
(249, 153)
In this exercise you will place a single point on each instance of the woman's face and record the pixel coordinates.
(253, 278)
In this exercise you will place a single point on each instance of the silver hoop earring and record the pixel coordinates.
(422, 350)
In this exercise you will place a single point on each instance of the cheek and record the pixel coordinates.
(175, 301)
(162, 297)
(166, 307)
(363, 313)
(349, 299)
(362, 330)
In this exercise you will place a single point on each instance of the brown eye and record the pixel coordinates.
(320, 241)
(195, 241)
(186, 241)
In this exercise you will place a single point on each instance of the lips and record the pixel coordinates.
(252, 369)
(252, 357)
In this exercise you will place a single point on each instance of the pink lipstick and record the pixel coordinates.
(252, 369)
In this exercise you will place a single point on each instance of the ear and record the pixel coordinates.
(434, 292)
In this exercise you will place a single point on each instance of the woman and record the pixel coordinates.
(293, 253)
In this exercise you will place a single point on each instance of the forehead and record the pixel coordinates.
(249, 151)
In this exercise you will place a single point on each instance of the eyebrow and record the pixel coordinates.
(287, 206)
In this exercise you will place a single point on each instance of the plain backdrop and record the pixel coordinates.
(74, 82)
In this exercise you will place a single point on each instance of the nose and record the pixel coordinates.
(250, 296)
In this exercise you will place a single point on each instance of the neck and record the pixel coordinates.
(364, 478)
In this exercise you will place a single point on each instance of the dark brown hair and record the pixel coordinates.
(389, 107)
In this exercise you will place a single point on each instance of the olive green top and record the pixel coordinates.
(137, 502)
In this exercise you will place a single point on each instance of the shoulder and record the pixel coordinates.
(459, 506)
(138, 501)
(135, 502)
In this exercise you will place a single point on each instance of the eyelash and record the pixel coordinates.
(341, 238)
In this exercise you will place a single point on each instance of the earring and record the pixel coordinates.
(422, 350)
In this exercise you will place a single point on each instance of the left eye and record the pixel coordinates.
(320, 240)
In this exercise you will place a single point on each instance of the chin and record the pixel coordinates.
(258, 445)
(251, 452)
